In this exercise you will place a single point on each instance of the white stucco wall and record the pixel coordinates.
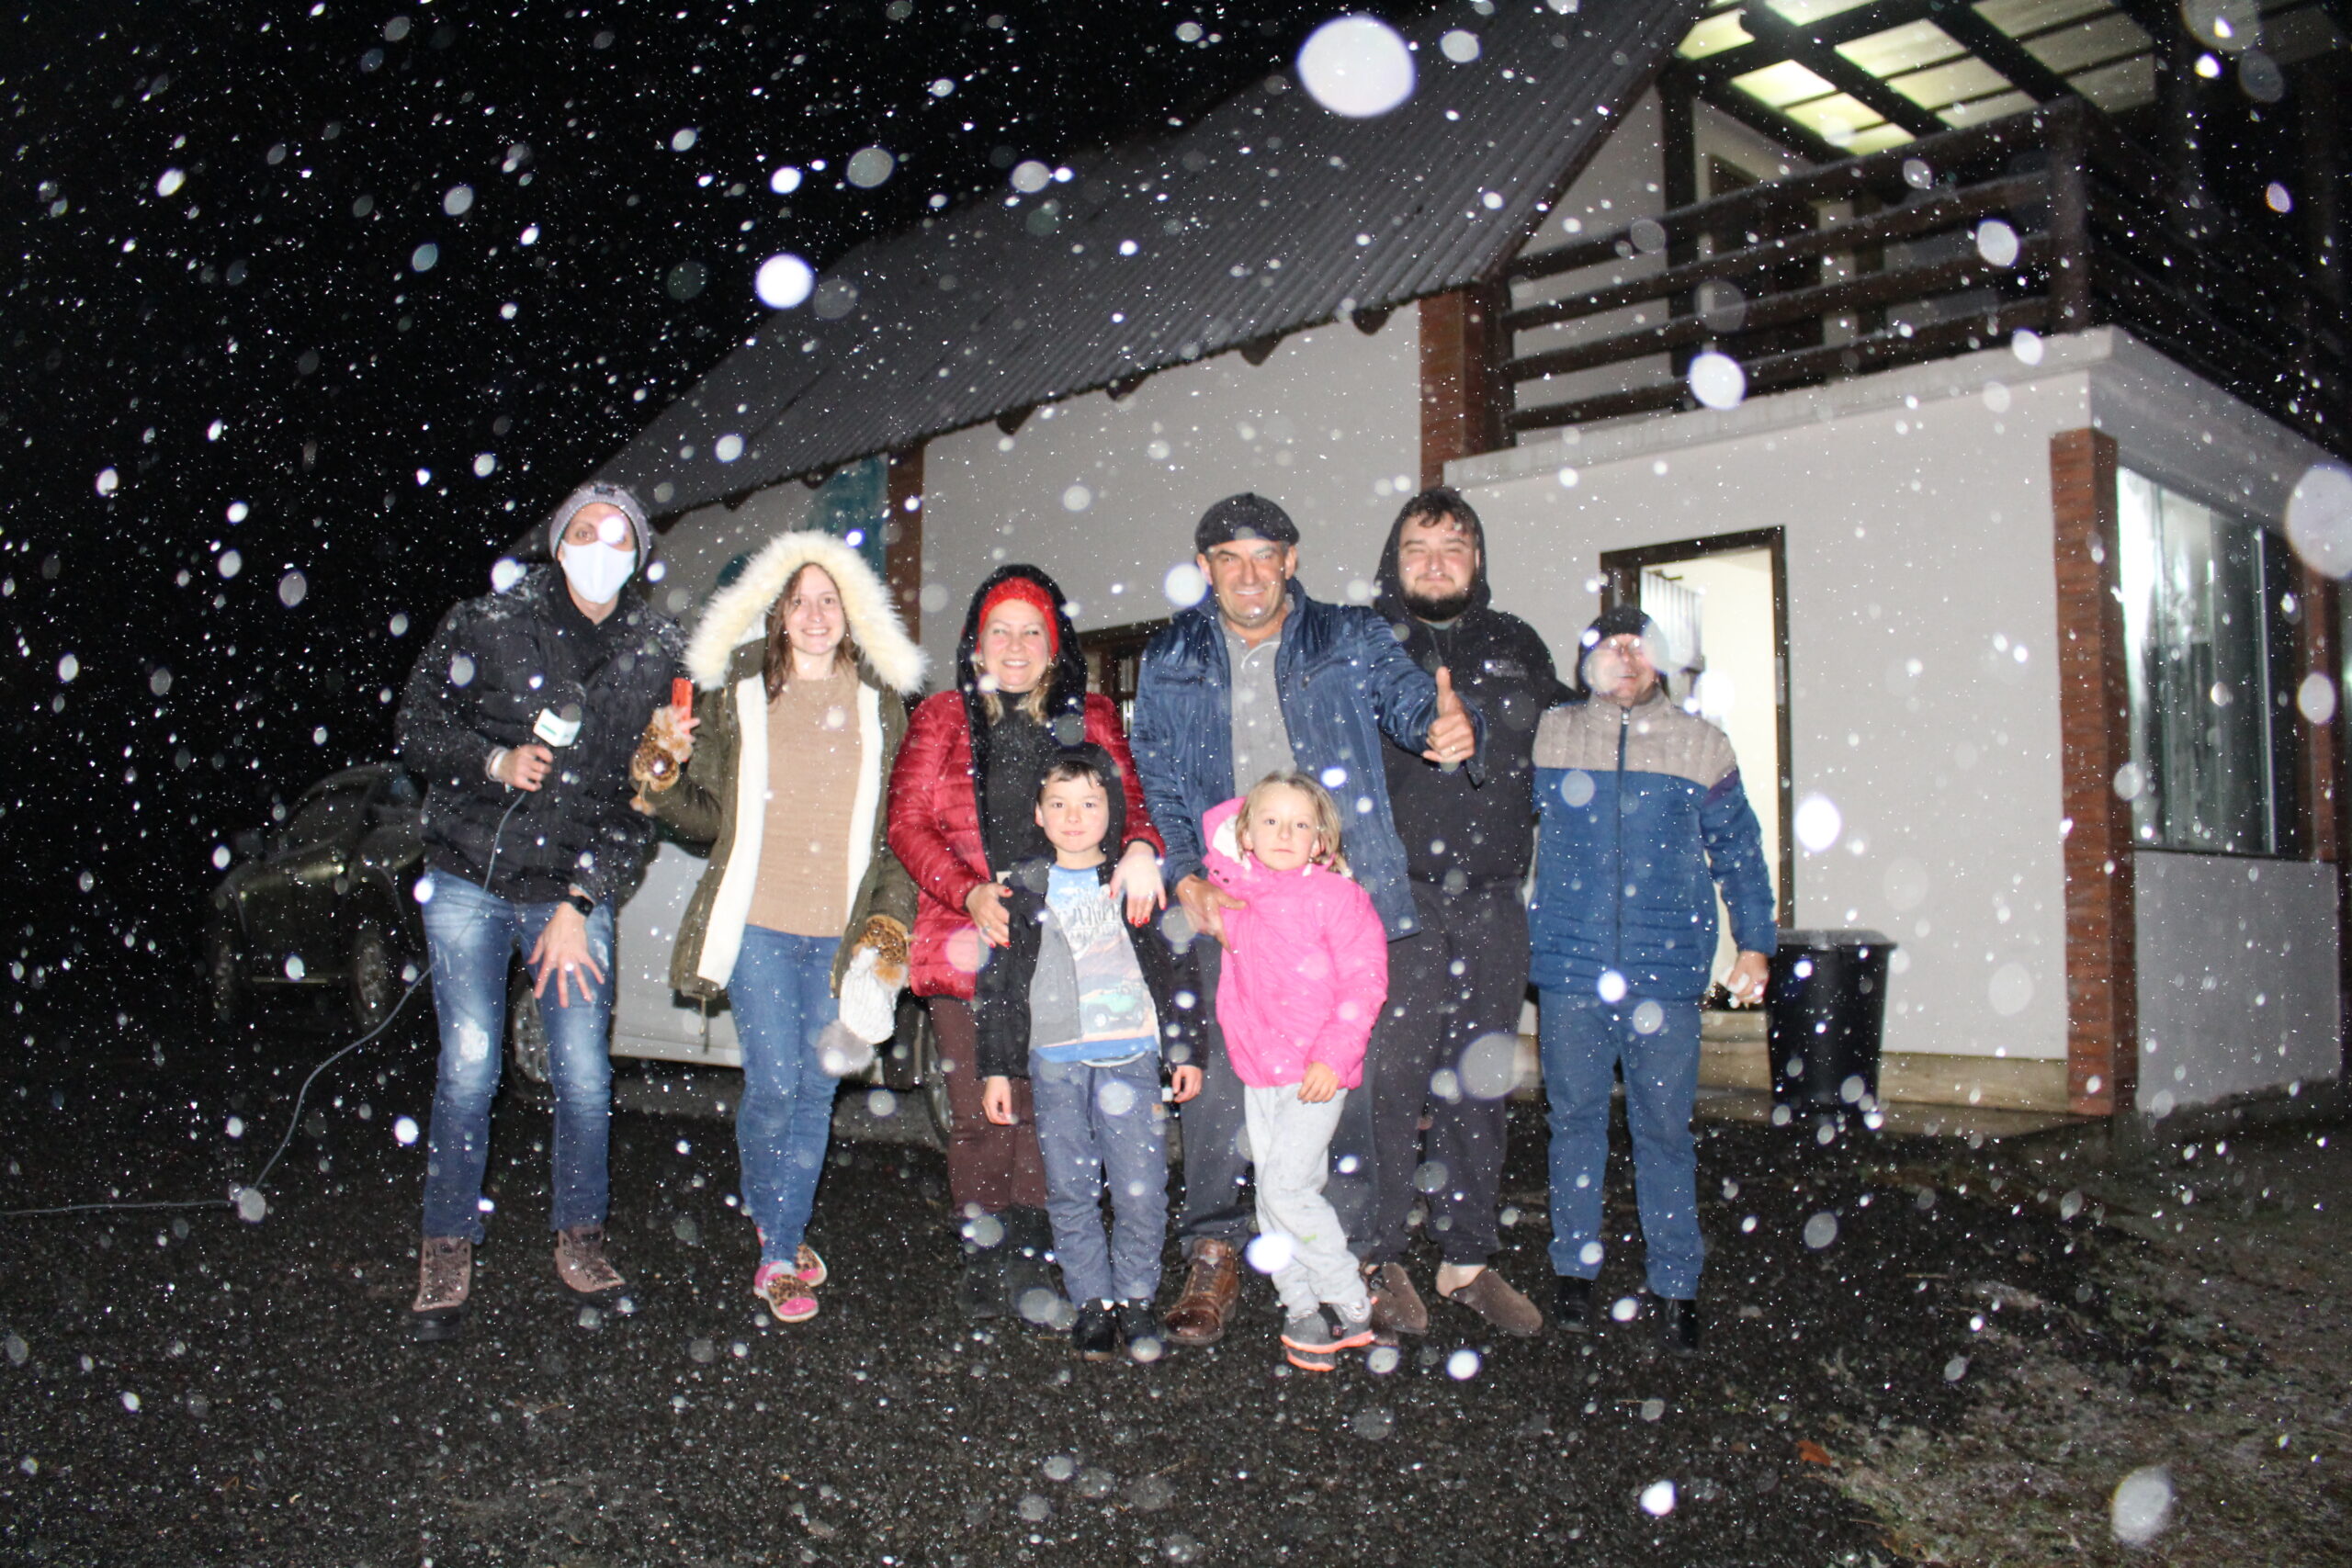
(2237, 976)
(1922, 614)
(1329, 426)
(1919, 562)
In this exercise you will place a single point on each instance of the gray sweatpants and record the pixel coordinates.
(1290, 1143)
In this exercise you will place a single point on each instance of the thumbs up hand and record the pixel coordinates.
(1451, 740)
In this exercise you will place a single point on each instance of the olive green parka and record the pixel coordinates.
(720, 796)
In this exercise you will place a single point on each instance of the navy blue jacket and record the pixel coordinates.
(1344, 680)
(1642, 817)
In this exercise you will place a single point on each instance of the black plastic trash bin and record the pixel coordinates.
(1825, 1015)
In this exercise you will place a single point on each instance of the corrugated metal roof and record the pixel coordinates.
(1267, 215)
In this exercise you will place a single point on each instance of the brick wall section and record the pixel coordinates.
(902, 539)
(2324, 811)
(1461, 385)
(2315, 800)
(2095, 719)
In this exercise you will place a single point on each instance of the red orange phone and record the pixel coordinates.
(681, 694)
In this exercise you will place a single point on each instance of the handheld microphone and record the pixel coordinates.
(558, 722)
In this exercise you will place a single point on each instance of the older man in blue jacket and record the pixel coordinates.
(1257, 677)
(1642, 818)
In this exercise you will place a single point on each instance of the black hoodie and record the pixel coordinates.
(1484, 830)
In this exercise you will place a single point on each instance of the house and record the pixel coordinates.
(1940, 374)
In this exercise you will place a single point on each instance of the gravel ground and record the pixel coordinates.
(2203, 1353)
(190, 1387)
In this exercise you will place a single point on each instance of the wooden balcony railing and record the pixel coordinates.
(2102, 235)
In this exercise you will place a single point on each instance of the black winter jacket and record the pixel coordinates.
(1481, 826)
(1000, 1000)
(1000, 1003)
(496, 663)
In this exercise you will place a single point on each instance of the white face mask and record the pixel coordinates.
(598, 572)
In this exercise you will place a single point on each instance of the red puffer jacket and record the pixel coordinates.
(935, 832)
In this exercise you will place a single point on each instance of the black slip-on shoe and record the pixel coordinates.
(1572, 1303)
(1678, 1326)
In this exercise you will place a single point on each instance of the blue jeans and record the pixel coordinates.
(1093, 1123)
(1582, 1039)
(782, 991)
(473, 934)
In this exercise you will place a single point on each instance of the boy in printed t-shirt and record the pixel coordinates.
(1081, 1004)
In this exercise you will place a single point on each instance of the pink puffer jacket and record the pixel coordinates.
(1305, 969)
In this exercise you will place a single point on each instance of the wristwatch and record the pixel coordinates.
(580, 901)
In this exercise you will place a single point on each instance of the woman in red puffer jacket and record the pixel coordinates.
(963, 803)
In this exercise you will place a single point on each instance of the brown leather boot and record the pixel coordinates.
(445, 1277)
(1211, 1287)
(580, 1263)
(1396, 1307)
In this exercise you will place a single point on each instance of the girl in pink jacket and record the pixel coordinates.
(1305, 975)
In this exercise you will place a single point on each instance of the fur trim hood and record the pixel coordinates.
(737, 615)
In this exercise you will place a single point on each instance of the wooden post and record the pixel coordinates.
(2320, 84)
(2095, 729)
(1679, 181)
(2070, 218)
(1462, 384)
(902, 538)
(2183, 100)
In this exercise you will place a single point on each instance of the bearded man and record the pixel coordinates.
(1455, 994)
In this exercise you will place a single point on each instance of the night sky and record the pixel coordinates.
(312, 309)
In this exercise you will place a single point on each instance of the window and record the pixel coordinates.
(323, 820)
(2208, 607)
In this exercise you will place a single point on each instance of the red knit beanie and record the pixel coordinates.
(1021, 589)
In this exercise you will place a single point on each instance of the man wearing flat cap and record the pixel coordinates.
(1258, 677)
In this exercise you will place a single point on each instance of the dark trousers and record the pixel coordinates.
(1475, 1024)
(1447, 1043)
(990, 1169)
(1217, 1144)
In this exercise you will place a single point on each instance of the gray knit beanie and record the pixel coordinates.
(590, 494)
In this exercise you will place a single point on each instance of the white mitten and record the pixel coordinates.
(841, 1054)
(869, 1004)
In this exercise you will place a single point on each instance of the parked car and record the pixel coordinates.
(326, 905)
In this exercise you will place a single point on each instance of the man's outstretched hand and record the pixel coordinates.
(1206, 904)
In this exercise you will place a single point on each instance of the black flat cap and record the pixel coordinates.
(1244, 516)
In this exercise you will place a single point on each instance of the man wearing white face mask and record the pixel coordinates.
(520, 718)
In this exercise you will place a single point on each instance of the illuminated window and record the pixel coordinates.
(2208, 608)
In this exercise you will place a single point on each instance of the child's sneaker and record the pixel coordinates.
(809, 1266)
(787, 1294)
(1351, 1332)
(1309, 1343)
(1096, 1335)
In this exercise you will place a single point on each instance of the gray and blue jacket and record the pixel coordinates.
(1641, 818)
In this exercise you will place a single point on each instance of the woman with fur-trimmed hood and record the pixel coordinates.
(802, 671)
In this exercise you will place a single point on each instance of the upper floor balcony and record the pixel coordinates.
(2050, 220)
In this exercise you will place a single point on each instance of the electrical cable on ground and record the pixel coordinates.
(237, 1190)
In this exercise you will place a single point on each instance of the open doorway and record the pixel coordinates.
(1722, 604)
